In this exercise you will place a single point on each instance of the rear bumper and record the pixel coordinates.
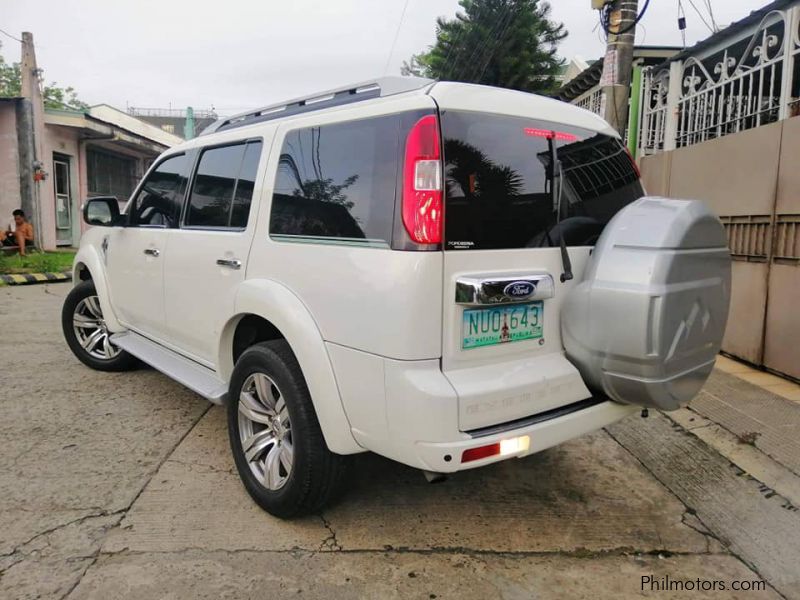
(542, 435)
(408, 411)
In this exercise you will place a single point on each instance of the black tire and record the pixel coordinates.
(122, 361)
(317, 475)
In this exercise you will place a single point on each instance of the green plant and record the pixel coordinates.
(504, 43)
(54, 95)
(37, 262)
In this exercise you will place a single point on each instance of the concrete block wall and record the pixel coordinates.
(752, 181)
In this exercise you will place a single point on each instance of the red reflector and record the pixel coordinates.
(480, 452)
(633, 162)
(422, 182)
(550, 135)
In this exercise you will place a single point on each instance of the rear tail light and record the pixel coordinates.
(633, 162)
(422, 182)
(480, 452)
(517, 445)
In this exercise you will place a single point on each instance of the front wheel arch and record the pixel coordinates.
(89, 266)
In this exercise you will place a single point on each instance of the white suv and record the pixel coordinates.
(448, 275)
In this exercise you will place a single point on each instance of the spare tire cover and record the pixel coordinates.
(646, 323)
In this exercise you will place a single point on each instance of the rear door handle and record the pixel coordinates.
(231, 263)
(152, 251)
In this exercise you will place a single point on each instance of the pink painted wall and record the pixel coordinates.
(64, 141)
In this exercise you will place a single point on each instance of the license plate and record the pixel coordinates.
(501, 324)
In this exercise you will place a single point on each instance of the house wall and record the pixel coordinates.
(9, 164)
(142, 161)
(752, 181)
(63, 141)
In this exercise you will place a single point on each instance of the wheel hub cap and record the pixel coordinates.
(91, 330)
(265, 431)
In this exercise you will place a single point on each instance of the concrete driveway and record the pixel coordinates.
(121, 486)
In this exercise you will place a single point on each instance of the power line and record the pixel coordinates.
(492, 38)
(465, 66)
(396, 35)
(702, 18)
(711, 14)
(682, 22)
(11, 36)
(456, 75)
(508, 17)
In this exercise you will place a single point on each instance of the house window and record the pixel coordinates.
(110, 174)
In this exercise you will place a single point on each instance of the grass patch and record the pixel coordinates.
(36, 262)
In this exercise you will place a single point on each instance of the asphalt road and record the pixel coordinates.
(121, 486)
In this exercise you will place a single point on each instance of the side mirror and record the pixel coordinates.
(102, 211)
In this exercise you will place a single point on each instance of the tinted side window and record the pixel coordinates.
(213, 187)
(498, 182)
(223, 186)
(338, 181)
(160, 198)
(245, 185)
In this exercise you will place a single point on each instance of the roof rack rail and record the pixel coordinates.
(384, 86)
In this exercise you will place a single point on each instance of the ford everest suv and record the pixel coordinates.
(448, 275)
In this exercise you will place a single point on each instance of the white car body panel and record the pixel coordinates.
(274, 302)
(136, 279)
(91, 257)
(485, 99)
(376, 331)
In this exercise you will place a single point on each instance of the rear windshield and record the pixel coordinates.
(498, 182)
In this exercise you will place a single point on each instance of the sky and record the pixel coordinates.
(241, 54)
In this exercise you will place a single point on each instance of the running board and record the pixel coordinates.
(196, 377)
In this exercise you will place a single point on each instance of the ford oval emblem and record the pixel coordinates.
(519, 289)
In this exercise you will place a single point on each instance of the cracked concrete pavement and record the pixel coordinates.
(122, 486)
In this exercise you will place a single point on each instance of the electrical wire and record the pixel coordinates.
(711, 14)
(700, 14)
(497, 44)
(497, 33)
(605, 19)
(396, 35)
(12, 37)
(467, 64)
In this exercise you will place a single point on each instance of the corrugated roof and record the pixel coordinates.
(588, 78)
(754, 18)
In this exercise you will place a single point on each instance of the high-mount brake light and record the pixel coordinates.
(549, 134)
(422, 182)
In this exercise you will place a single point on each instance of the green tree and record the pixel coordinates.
(504, 43)
(54, 96)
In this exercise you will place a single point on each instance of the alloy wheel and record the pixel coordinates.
(265, 431)
(91, 331)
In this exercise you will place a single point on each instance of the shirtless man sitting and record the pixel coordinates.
(22, 236)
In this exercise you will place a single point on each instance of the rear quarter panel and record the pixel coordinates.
(372, 299)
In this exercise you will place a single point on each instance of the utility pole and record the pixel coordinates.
(618, 62)
(30, 131)
(188, 126)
